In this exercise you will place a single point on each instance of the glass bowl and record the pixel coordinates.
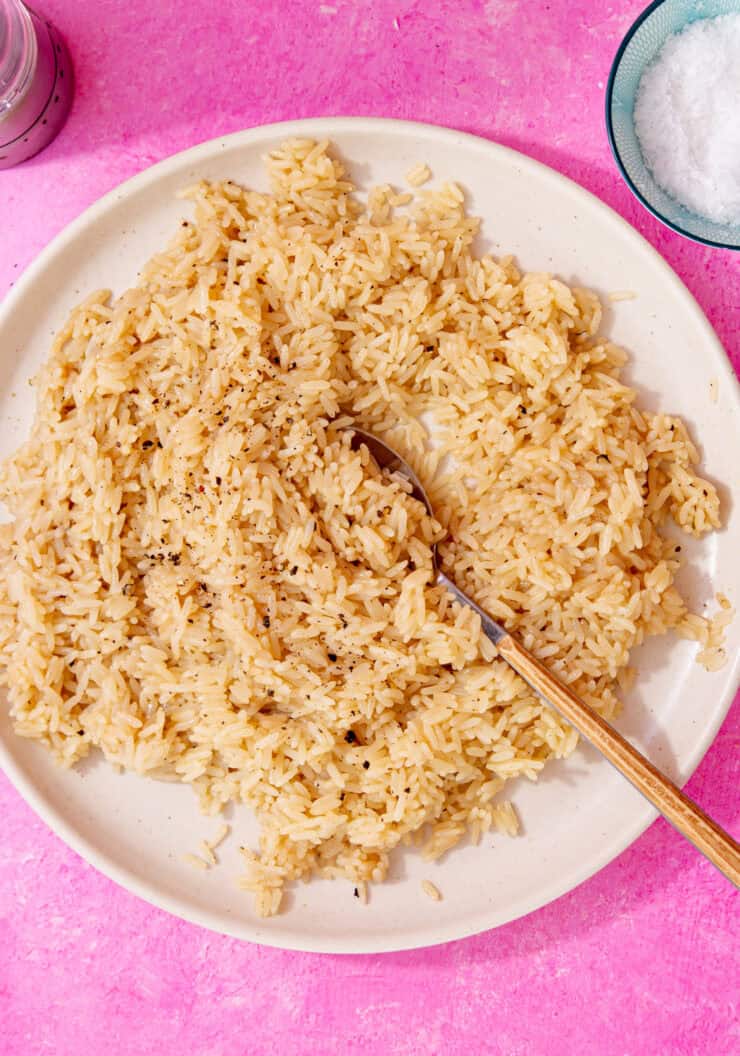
(640, 46)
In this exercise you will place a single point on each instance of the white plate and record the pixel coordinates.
(582, 813)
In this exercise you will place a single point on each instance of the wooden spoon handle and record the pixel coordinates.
(718, 846)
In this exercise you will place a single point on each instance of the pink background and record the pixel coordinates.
(638, 960)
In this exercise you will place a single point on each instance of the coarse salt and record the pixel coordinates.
(686, 117)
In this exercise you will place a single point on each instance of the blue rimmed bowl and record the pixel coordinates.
(638, 49)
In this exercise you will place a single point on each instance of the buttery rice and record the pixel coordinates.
(431, 890)
(205, 581)
(418, 175)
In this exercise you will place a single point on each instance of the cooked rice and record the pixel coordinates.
(431, 890)
(418, 175)
(208, 847)
(710, 633)
(205, 581)
(207, 853)
(219, 838)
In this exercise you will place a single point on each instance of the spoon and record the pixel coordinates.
(718, 846)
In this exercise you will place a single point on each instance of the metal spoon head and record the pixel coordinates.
(389, 459)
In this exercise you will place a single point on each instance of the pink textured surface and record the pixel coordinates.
(641, 958)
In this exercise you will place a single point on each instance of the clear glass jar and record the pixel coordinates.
(36, 83)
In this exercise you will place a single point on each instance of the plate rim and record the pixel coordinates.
(328, 127)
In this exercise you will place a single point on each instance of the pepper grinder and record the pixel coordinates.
(36, 83)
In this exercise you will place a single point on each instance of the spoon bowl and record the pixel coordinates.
(392, 462)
